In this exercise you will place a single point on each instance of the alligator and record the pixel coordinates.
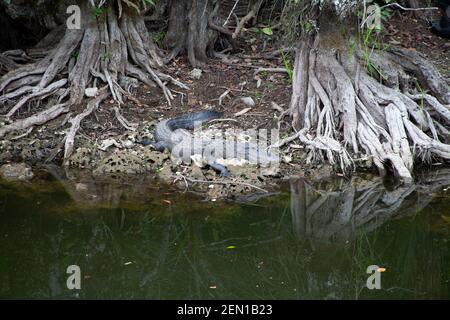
(442, 27)
(173, 135)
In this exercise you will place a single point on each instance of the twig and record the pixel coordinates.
(277, 107)
(124, 122)
(242, 112)
(396, 5)
(240, 24)
(131, 98)
(231, 13)
(223, 120)
(237, 90)
(23, 135)
(269, 54)
(182, 96)
(275, 70)
(239, 65)
(223, 95)
(193, 181)
(408, 9)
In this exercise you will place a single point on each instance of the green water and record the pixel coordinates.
(142, 240)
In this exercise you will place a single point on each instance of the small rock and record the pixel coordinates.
(197, 160)
(197, 173)
(196, 74)
(176, 160)
(16, 172)
(258, 83)
(165, 173)
(107, 143)
(91, 92)
(248, 101)
(272, 170)
(81, 187)
(128, 144)
(246, 172)
(287, 159)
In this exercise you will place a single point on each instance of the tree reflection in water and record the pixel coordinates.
(348, 207)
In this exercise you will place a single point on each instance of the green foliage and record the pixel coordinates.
(97, 11)
(287, 66)
(158, 37)
(370, 39)
(308, 26)
(136, 4)
(148, 2)
(298, 19)
(106, 56)
(267, 31)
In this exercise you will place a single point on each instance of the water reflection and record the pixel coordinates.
(339, 211)
(141, 240)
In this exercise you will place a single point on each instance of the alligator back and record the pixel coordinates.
(189, 120)
(164, 129)
(249, 151)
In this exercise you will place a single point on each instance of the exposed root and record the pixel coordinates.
(337, 102)
(76, 121)
(414, 62)
(443, 111)
(6, 64)
(124, 122)
(34, 120)
(106, 49)
(36, 92)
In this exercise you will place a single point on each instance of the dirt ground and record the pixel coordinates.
(105, 147)
(414, 33)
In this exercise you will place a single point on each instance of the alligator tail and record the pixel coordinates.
(189, 120)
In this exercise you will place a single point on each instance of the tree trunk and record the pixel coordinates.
(359, 104)
(189, 30)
